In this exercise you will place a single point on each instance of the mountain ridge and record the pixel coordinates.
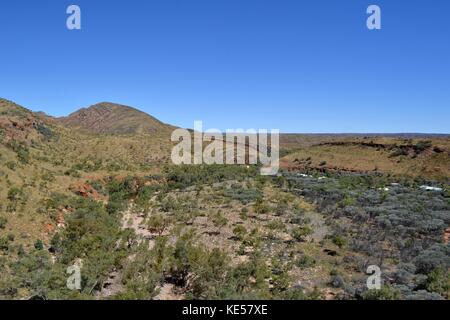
(113, 118)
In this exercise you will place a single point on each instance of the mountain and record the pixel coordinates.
(41, 157)
(111, 118)
(114, 204)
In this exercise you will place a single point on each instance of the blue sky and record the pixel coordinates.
(294, 65)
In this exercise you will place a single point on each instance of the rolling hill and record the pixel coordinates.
(424, 156)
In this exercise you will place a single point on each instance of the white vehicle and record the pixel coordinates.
(429, 188)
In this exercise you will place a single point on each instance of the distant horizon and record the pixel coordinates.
(370, 134)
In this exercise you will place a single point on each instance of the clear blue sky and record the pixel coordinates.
(295, 65)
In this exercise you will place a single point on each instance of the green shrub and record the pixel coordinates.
(45, 131)
(72, 173)
(305, 261)
(219, 220)
(11, 165)
(261, 206)
(179, 177)
(339, 240)
(300, 233)
(3, 222)
(245, 196)
(348, 201)
(4, 244)
(23, 155)
(144, 195)
(439, 281)
(15, 194)
(282, 208)
(22, 151)
(276, 225)
(39, 245)
(239, 232)
(158, 223)
(385, 293)
(422, 146)
(399, 151)
(244, 213)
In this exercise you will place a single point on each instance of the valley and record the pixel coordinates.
(99, 187)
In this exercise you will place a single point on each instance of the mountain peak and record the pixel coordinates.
(113, 118)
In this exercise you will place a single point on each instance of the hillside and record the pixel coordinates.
(426, 157)
(111, 118)
(39, 157)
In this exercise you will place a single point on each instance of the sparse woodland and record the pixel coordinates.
(143, 229)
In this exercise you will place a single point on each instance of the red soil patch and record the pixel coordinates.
(447, 235)
(85, 190)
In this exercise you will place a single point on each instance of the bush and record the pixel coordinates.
(219, 220)
(399, 151)
(4, 244)
(339, 240)
(15, 194)
(337, 281)
(385, 293)
(424, 295)
(158, 223)
(261, 207)
(239, 232)
(348, 201)
(22, 151)
(433, 258)
(422, 146)
(24, 156)
(179, 177)
(281, 208)
(45, 131)
(11, 165)
(39, 245)
(144, 195)
(276, 225)
(299, 233)
(245, 196)
(3, 222)
(439, 281)
(305, 261)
